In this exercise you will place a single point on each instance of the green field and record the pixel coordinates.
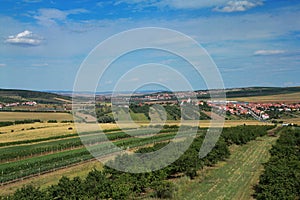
(232, 179)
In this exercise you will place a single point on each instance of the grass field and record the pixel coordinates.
(287, 98)
(232, 179)
(13, 116)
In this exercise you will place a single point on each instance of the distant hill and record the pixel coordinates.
(60, 97)
(12, 95)
(260, 91)
(252, 91)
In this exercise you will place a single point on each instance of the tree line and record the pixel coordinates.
(281, 177)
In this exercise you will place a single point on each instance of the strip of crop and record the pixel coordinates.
(35, 165)
(21, 152)
(4, 144)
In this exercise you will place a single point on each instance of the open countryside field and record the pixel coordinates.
(232, 179)
(21, 132)
(287, 98)
(13, 116)
(292, 120)
(201, 123)
(34, 131)
(45, 130)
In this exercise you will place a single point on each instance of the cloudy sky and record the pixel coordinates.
(252, 42)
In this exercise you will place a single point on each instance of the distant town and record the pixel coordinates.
(257, 110)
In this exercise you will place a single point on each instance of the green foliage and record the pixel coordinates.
(260, 91)
(102, 109)
(11, 96)
(173, 112)
(113, 184)
(26, 121)
(66, 189)
(67, 121)
(243, 134)
(28, 192)
(6, 124)
(106, 119)
(164, 190)
(281, 179)
(140, 109)
(34, 165)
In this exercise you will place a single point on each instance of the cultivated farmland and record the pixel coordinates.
(43, 116)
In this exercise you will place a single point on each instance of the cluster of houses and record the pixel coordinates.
(28, 103)
(258, 109)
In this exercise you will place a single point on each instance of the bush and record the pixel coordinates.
(164, 190)
(27, 121)
(6, 124)
(28, 192)
(52, 121)
(106, 119)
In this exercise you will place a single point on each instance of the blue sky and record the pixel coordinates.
(252, 42)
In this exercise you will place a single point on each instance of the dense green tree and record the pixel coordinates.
(28, 193)
(281, 178)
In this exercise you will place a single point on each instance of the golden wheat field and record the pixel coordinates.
(34, 131)
(13, 116)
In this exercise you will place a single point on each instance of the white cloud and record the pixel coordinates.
(220, 5)
(174, 4)
(50, 16)
(2, 65)
(268, 52)
(191, 4)
(25, 38)
(239, 6)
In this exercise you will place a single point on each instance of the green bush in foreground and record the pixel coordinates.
(281, 178)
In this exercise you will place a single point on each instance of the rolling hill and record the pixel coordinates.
(12, 95)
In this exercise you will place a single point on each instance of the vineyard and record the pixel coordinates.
(21, 159)
(35, 158)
